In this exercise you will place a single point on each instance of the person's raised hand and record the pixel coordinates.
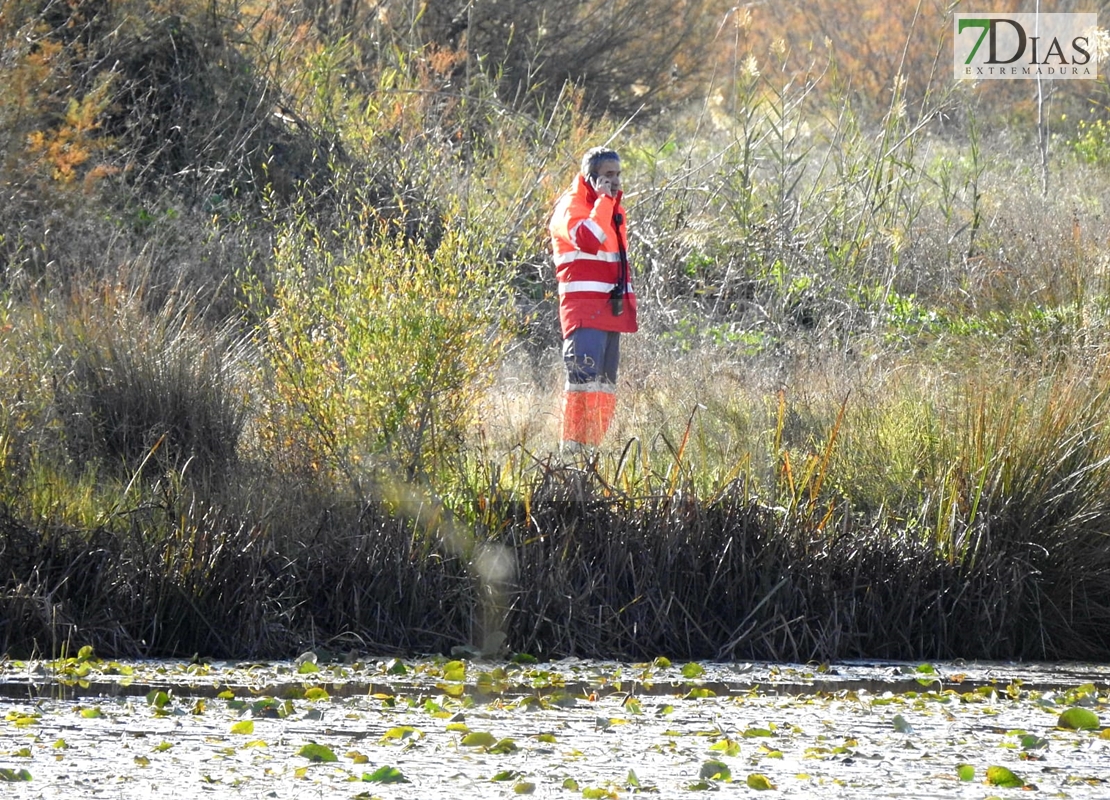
(603, 184)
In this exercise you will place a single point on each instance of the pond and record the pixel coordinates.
(397, 728)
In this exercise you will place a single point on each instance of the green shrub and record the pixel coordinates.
(377, 350)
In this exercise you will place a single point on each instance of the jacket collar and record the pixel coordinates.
(582, 186)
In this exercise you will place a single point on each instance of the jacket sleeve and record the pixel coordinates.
(584, 227)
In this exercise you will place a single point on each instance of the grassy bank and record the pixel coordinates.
(295, 382)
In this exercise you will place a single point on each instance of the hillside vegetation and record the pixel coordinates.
(279, 349)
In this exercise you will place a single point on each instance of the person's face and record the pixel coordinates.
(610, 168)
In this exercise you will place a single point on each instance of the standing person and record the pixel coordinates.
(596, 303)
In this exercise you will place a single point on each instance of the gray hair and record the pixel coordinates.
(594, 156)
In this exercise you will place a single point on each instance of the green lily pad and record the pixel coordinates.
(1079, 719)
(759, 782)
(901, 725)
(479, 739)
(1000, 776)
(317, 752)
(1030, 741)
(692, 670)
(715, 770)
(966, 772)
(503, 746)
(385, 775)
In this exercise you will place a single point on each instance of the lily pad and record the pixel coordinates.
(385, 774)
(1079, 719)
(715, 770)
(479, 739)
(692, 670)
(759, 782)
(1001, 776)
(317, 752)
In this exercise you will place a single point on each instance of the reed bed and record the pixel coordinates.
(294, 383)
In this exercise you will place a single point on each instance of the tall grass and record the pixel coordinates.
(864, 416)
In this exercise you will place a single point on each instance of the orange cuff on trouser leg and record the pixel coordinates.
(587, 415)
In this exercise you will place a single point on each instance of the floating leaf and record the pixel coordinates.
(245, 727)
(401, 732)
(523, 658)
(759, 782)
(1030, 741)
(699, 693)
(901, 725)
(357, 757)
(571, 784)
(317, 752)
(927, 674)
(524, 787)
(662, 662)
(700, 786)
(1079, 719)
(692, 670)
(385, 775)
(752, 733)
(506, 775)
(504, 746)
(396, 667)
(454, 671)
(91, 713)
(307, 668)
(715, 770)
(13, 775)
(479, 739)
(1000, 776)
(726, 746)
(158, 698)
(966, 772)
(316, 693)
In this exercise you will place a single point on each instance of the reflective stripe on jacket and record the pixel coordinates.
(586, 249)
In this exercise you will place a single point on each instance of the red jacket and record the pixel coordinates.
(586, 245)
